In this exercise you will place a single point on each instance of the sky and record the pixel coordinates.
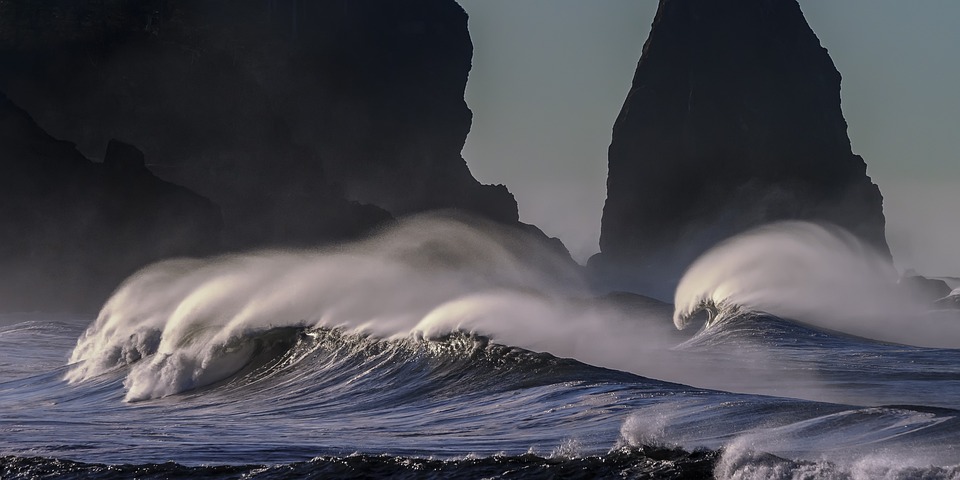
(549, 78)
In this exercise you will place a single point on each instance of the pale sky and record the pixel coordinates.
(549, 77)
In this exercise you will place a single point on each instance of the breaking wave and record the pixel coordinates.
(816, 274)
(183, 324)
(450, 347)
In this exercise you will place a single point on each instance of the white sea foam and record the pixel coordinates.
(759, 443)
(743, 459)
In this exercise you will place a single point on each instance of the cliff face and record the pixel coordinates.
(285, 113)
(733, 120)
(306, 123)
(71, 229)
(389, 116)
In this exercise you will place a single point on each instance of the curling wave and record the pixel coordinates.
(816, 274)
(183, 324)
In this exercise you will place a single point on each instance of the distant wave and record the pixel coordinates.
(781, 268)
(816, 274)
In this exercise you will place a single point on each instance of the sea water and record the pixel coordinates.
(444, 348)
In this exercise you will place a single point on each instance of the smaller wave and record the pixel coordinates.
(784, 267)
(816, 274)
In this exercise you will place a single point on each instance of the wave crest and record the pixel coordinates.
(197, 320)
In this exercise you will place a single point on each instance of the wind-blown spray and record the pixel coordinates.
(816, 274)
(183, 324)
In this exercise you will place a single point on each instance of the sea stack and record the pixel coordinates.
(733, 120)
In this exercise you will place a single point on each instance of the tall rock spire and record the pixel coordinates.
(733, 120)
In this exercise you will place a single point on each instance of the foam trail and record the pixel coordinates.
(187, 323)
(816, 274)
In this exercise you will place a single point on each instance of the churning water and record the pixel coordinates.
(444, 348)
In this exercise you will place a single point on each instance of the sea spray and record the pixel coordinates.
(817, 274)
(184, 324)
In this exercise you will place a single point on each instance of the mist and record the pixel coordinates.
(545, 91)
(915, 206)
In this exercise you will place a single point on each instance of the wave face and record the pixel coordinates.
(443, 348)
(195, 319)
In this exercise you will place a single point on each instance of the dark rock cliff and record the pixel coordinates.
(306, 123)
(733, 120)
(285, 113)
(72, 229)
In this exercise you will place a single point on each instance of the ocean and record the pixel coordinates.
(443, 349)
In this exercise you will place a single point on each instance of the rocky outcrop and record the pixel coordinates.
(72, 229)
(287, 114)
(733, 120)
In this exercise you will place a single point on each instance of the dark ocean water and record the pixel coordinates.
(258, 367)
(324, 403)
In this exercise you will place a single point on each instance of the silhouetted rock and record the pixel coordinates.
(286, 114)
(72, 229)
(923, 289)
(733, 120)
